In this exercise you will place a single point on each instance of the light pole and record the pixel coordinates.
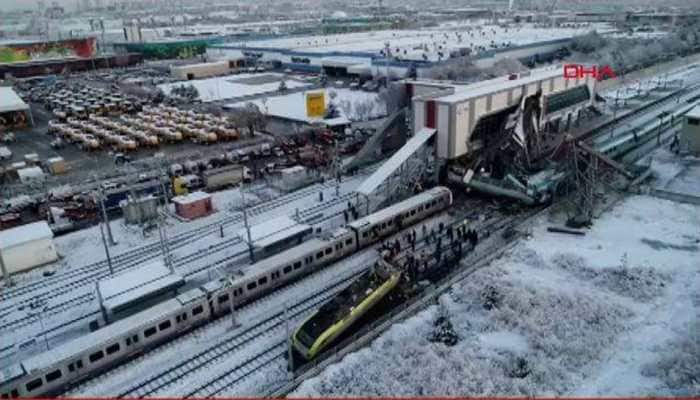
(104, 243)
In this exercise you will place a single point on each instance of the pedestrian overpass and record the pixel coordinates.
(401, 170)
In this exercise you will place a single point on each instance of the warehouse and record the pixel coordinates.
(26, 247)
(465, 115)
(14, 112)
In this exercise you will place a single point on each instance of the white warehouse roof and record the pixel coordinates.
(9, 101)
(25, 234)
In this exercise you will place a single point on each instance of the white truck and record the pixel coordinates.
(219, 178)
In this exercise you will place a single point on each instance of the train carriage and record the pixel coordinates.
(76, 360)
(85, 356)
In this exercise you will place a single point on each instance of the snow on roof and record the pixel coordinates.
(293, 170)
(400, 157)
(110, 333)
(137, 283)
(694, 113)
(293, 106)
(273, 230)
(191, 198)
(230, 87)
(10, 372)
(9, 101)
(24, 234)
(5, 152)
(30, 172)
(393, 210)
(498, 84)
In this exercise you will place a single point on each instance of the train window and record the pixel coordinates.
(79, 364)
(197, 310)
(35, 384)
(275, 275)
(184, 316)
(252, 285)
(413, 212)
(52, 376)
(71, 366)
(223, 298)
(287, 269)
(149, 332)
(128, 341)
(164, 325)
(309, 260)
(337, 246)
(134, 339)
(113, 348)
(364, 234)
(390, 223)
(297, 265)
(238, 292)
(319, 255)
(348, 242)
(14, 393)
(96, 356)
(262, 281)
(329, 250)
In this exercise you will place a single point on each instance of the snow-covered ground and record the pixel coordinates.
(354, 104)
(234, 86)
(680, 174)
(428, 43)
(614, 312)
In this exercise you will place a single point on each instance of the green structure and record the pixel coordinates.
(168, 49)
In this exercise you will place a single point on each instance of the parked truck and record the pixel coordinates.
(218, 178)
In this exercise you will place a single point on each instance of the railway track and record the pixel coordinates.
(131, 258)
(232, 342)
(181, 263)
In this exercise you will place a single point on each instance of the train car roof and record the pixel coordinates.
(388, 212)
(10, 373)
(109, 333)
(285, 257)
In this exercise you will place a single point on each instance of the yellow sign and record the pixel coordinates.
(315, 105)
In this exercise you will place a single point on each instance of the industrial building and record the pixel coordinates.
(207, 70)
(25, 247)
(466, 115)
(395, 52)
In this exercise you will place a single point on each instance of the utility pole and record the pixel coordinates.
(247, 226)
(290, 355)
(104, 243)
(105, 218)
(234, 323)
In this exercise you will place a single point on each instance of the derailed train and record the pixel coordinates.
(52, 371)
